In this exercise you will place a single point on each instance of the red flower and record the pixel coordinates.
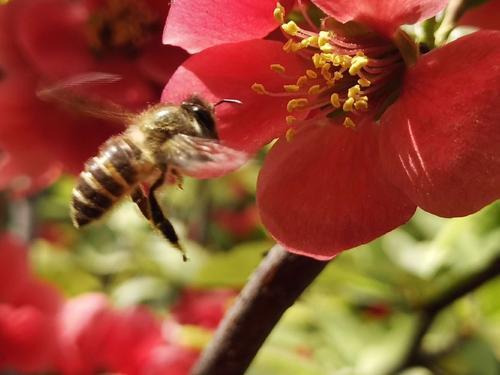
(46, 40)
(357, 167)
(84, 324)
(27, 313)
(204, 308)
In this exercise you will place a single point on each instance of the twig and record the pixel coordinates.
(276, 284)
(430, 310)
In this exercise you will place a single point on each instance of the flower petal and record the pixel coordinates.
(228, 71)
(484, 16)
(198, 24)
(51, 34)
(440, 139)
(382, 16)
(325, 192)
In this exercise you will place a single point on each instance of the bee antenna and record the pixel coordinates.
(234, 101)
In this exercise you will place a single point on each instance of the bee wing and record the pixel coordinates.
(203, 157)
(64, 93)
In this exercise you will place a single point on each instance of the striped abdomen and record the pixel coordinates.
(107, 177)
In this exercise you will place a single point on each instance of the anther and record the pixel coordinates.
(348, 105)
(279, 13)
(335, 100)
(290, 28)
(314, 90)
(291, 88)
(311, 74)
(290, 119)
(296, 103)
(348, 123)
(363, 82)
(353, 91)
(259, 88)
(302, 81)
(357, 63)
(278, 68)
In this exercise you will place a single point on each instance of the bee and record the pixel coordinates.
(162, 143)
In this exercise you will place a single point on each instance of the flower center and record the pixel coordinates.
(350, 72)
(123, 25)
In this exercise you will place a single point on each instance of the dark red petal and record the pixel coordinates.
(51, 33)
(228, 71)
(485, 16)
(325, 191)
(440, 139)
(382, 16)
(159, 62)
(198, 24)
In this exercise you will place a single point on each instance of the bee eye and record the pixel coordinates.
(204, 118)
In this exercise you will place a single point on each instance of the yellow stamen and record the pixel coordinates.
(357, 63)
(327, 47)
(279, 13)
(290, 120)
(335, 100)
(290, 134)
(311, 74)
(302, 81)
(361, 105)
(348, 123)
(363, 82)
(290, 28)
(287, 47)
(296, 103)
(291, 88)
(348, 105)
(353, 91)
(314, 90)
(259, 88)
(337, 76)
(323, 38)
(278, 68)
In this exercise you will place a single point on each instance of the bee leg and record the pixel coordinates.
(141, 201)
(160, 221)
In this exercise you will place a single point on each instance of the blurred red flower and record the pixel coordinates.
(204, 308)
(46, 40)
(357, 167)
(27, 312)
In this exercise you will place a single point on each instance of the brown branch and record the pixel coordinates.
(276, 284)
(430, 310)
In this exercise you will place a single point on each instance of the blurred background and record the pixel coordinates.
(359, 317)
(115, 297)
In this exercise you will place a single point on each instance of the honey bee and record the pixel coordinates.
(162, 143)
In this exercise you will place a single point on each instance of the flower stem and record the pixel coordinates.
(430, 310)
(452, 14)
(275, 285)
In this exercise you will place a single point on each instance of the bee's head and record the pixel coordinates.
(204, 115)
